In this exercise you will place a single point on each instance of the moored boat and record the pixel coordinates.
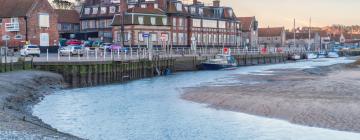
(322, 54)
(333, 55)
(221, 61)
(295, 57)
(311, 56)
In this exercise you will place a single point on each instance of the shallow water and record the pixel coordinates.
(152, 109)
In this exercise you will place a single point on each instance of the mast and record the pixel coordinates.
(309, 35)
(294, 33)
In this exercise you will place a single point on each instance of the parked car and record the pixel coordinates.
(105, 46)
(72, 50)
(73, 42)
(30, 50)
(115, 48)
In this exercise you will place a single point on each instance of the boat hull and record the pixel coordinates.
(206, 66)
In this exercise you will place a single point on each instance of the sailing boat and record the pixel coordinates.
(310, 55)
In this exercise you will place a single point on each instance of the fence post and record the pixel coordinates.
(47, 54)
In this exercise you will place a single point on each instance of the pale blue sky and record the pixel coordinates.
(282, 12)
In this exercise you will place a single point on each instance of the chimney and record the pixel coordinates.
(123, 6)
(163, 4)
(195, 2)
(216, 3)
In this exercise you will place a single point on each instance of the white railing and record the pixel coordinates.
(12, 27)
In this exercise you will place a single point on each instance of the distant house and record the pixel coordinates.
(32, 21)
(272, 37)
(302, 40)
(138, 22)
(68, 23)
(249, 28)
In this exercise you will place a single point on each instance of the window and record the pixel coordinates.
(102, 23)
(174, 37)
(95, 10)
(153, 20)
(181, 22)
(193, 10)
(153, 37)
(230, 12)
(87, 11)
(178, 6)
(196, 22)
(112, 9)
(143, 5)
(222, 24)
(127, 36)
(44, 20)
(141, 20)
(174, 21)
(141, 38)
(103, 10)
(201, 11)
(181, 37)
(164, 20)
(156, 6)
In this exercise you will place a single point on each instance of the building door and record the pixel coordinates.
(44, 39)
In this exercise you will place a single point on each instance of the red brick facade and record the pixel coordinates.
(33, 30)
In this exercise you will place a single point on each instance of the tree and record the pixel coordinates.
(63, 4)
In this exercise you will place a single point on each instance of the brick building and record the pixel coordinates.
(96, 17)
(272, 37)
(249, 31)
(182, 24)
(68, 23)
(28, 20)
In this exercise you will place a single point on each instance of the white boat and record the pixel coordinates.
(322, 54)
(221, 61)
(333, 55)
(311, 56)
(295, 57)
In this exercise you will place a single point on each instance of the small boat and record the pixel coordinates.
(295, 57)
(221, 61)
(322, 54)
(333, 55)
(311, 56)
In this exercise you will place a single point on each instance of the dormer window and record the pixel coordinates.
(112, 9)
(87, 11)
(103, 10)
(153, 20)
(143, 5)
(141, 20)
(164, 20)
(230, 12)
(201, 11)
(193, 10)
(95, 10)
(178, 6)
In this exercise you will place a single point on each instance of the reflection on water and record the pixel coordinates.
(152, 109)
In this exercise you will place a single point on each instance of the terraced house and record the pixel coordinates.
(169, 22)
(33, 21)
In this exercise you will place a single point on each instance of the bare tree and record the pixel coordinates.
(63, 4)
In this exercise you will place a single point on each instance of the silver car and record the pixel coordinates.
(72, 50)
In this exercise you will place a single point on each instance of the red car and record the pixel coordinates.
(73, 42)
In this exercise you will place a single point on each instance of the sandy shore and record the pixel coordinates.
(19, 91)
(327, 97)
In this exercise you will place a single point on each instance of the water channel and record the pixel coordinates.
(152, 109)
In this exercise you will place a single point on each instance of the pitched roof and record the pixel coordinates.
(270, 32)
(246, 23)
(145, 10)
(15, 8)
(68, 16)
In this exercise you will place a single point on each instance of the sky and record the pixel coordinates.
(282, 12)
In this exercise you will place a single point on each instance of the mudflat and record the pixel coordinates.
(18, 92)
(327, 97)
